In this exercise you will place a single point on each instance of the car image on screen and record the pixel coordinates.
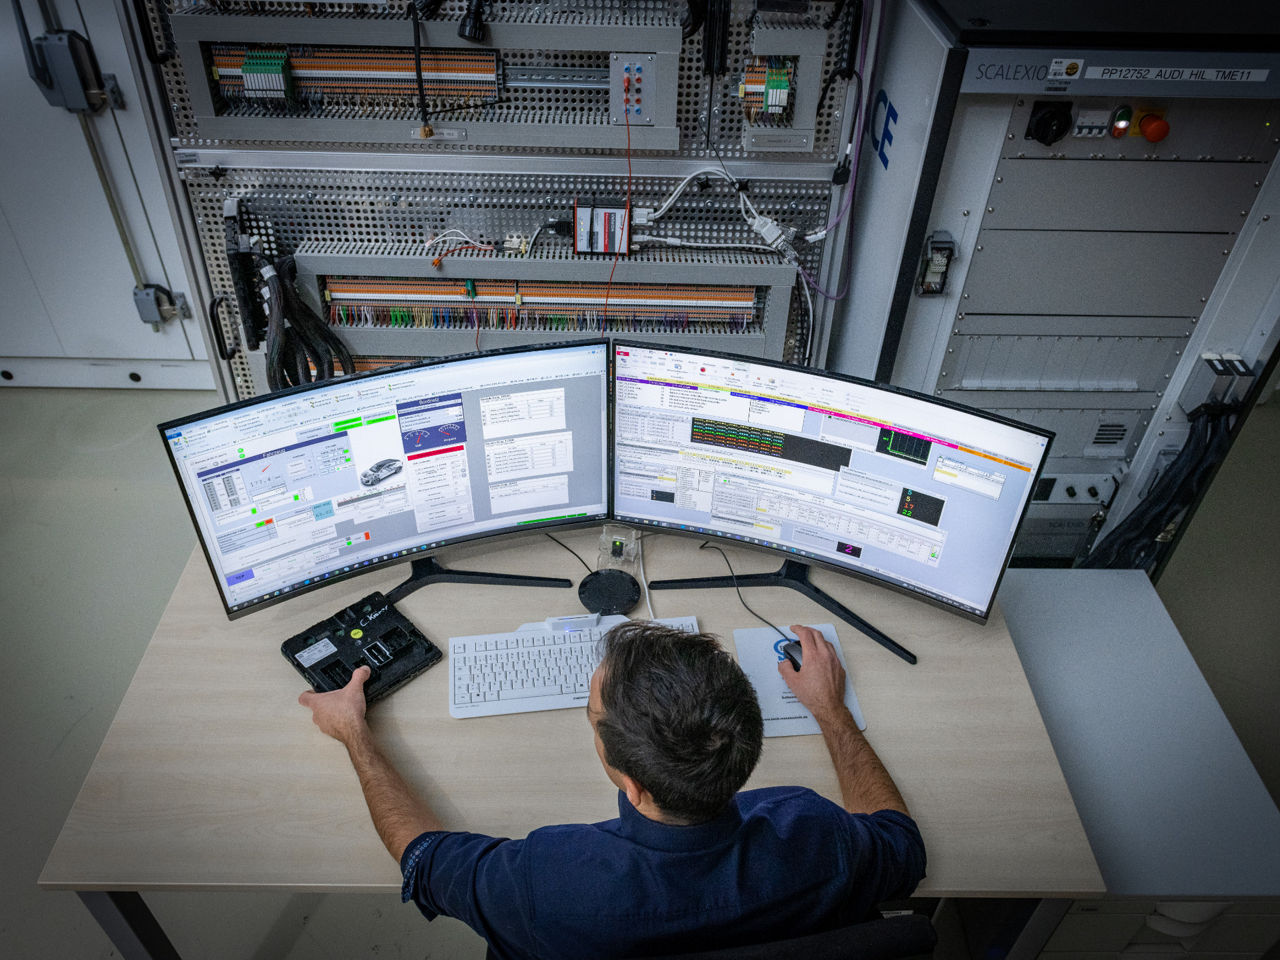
(380, 471)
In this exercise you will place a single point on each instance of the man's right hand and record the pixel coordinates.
(340, 713)
(819, 684)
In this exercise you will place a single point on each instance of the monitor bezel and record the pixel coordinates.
(943, 604)
(496, 535)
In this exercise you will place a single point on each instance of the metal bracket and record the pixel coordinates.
(156, 305)
(111, 89)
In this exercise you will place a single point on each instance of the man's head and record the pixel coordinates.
(674, 712)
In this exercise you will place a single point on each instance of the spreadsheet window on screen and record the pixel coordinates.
(311, 485)
(918, 494)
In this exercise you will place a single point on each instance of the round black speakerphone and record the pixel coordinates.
(609, 591)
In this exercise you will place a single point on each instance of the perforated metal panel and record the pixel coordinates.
(708, 114)
(353, 175)
(378, 213)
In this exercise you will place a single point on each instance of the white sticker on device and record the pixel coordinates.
(315, 652)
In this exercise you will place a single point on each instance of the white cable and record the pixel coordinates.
(644, 581)
(678, 242)
(666, 204)
(532, 240)
(453, 233)
(808, 299)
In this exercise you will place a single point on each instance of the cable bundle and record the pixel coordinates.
(1141, 539)
(300, 347)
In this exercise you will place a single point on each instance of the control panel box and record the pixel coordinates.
(633, 84)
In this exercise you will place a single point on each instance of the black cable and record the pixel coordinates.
(836, 9)
(695, 15)
(708, 543)
(571, 550)
(276, 379)
(417, 61)
(324, 344)
(300, 348)
(423, 113)
(1141, 538)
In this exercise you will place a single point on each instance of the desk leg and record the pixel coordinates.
(130, 925)
(1039, 928)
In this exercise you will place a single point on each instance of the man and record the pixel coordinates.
(691, 864)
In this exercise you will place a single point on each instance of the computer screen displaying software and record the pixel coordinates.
(916, 493)
(293, 490)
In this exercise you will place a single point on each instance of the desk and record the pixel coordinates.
(211, 777)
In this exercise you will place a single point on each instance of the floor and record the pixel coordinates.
(94, 533)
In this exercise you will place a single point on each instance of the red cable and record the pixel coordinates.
(626, 221)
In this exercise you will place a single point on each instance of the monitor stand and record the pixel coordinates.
(427, 570)
(795, 575)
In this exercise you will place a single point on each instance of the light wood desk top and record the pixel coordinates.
(212, 777)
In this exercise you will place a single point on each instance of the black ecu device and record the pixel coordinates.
(371, 632)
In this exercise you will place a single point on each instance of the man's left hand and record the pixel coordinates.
(339, 713)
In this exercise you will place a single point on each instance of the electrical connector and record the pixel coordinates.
(642, 216)
(516, 244)
(841, 174)
(772, 232)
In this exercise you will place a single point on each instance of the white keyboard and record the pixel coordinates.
(521, 672)
(539, 666)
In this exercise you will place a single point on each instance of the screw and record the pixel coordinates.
(1011, 136)
(979, 248)
(965, 295)
(1266, 217)
(999, 179)
(964, 213)
(991, 209)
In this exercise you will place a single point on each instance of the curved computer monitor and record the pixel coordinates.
(910, 491)
(297, 489)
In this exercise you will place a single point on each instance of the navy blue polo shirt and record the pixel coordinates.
(779, 862)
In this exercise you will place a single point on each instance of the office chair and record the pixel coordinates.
(890, 938)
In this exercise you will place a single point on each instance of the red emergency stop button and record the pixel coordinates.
(1154, 128)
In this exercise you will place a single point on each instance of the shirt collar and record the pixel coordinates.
(664, 836)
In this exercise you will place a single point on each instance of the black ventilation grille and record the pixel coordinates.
(1110, 433)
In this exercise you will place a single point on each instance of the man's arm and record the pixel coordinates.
(399, 815)
(865, 784)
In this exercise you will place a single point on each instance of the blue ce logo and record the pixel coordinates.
(882, 142)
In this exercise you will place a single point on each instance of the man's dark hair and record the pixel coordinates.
(680, 718)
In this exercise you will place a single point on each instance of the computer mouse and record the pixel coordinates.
(791, 651)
